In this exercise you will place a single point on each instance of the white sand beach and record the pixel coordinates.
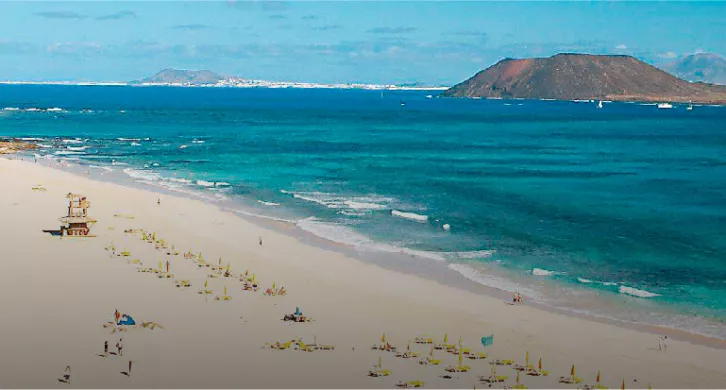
(56, 294)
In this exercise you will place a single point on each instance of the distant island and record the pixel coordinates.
(206, 78)
(582, 77)
(704, 67)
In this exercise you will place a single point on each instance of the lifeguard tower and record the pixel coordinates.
(77, 223)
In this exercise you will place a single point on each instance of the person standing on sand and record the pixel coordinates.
(120, 347)
(105, 349)
(158, 201)
(129, 372)
(260, 240)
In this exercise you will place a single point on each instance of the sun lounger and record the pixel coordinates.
(502, 362)
(125, 254)
(164, 275)
(520, 386)
(493, 379)
(379, 373)
(423, 340)
(457, 368)
(182, 283)
(477, 356)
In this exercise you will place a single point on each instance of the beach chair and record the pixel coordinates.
(457, 368)
(164, 275)
(182, 283)
(326, 347)
(423, 340)
(379, 373)
(302, 347)
(477, 356)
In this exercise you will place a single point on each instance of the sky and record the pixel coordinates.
(433, 42)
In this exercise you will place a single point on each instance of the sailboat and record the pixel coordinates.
(664, 105)
(599, 104)
(690, 106)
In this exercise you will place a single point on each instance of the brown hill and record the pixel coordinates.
(582, 76)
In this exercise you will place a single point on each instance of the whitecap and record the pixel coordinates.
(73, 141)
(197, 141)
(183, 147)
(492, 281)
(11, 109)
(543, 272)
(636, 292)
(32, 139)
(267, 203)
(205, 183)
(129, 139)
(410, 216)
(583, 280)
(222, 184)
(55, 109)
(363, 205)
(135, 144)
(149, 176)
(77, 148)
(67, 152)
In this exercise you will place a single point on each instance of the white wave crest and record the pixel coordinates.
(129, 139)
(205, 183)
(77, 148)
(67, 152)
(267, 203)
(73, 141)
(583, 280)
(636, 292)
(149, 176)
(543, 272)
(410, 216)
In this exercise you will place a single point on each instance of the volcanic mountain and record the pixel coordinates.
(583, 76)
(706, 67)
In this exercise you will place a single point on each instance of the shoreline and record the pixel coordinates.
(401, 263)
(217, 344)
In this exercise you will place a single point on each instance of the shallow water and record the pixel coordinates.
(617, 211)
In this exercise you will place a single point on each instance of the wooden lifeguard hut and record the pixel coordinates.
(77, 222)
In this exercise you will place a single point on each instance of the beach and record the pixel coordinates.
(58, 293)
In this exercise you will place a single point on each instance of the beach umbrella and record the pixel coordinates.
(460, 341)
(622, 387)
(446, 338)
(540, 364)
(461, 358)
(572, 371)
(380, 364)
(432, 351)
(205, 283)
(273, 285)
(247, 272)
(598, 377)
(383, 338)
(167, 266)
(517, 377)
(162, 242)
(254, 276)
(526, 359)
(225, 290)
(227, 267)
(160, 265)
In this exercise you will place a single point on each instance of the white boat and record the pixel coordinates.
(599, 104)
(665, 105)
(690, 106)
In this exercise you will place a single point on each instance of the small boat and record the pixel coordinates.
(690, 106)
(429, 96)
(599, 104)
(403, 103)
(664, 105)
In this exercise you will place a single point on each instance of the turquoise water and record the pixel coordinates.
(626, 203)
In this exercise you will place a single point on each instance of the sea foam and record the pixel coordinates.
(410, 216)
(636, 292)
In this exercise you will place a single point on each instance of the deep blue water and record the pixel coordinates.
(628, 200)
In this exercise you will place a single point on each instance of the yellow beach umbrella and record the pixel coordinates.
(383, 338)
(461, 358)
(160, 265)
(219, 262)
(572, 371)
(380, 363)
(227, 267)
(206, 283)
(273, 285)
(526, 359)
(254, 277)
(162, 242)
(201, 258)
(432, 351)
(517, 377)
(225, 290)
(247, 272)
(598, 377)
(540, 365)
(446, 338)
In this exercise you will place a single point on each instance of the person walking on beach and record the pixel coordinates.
(105, 349)
(158, 201)
(120, 347)
(129, 372)
(167, 266)
(260, 240)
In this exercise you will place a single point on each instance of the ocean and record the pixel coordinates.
(617, 213)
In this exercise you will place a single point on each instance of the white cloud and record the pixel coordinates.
(621, 47)
(670, 54)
